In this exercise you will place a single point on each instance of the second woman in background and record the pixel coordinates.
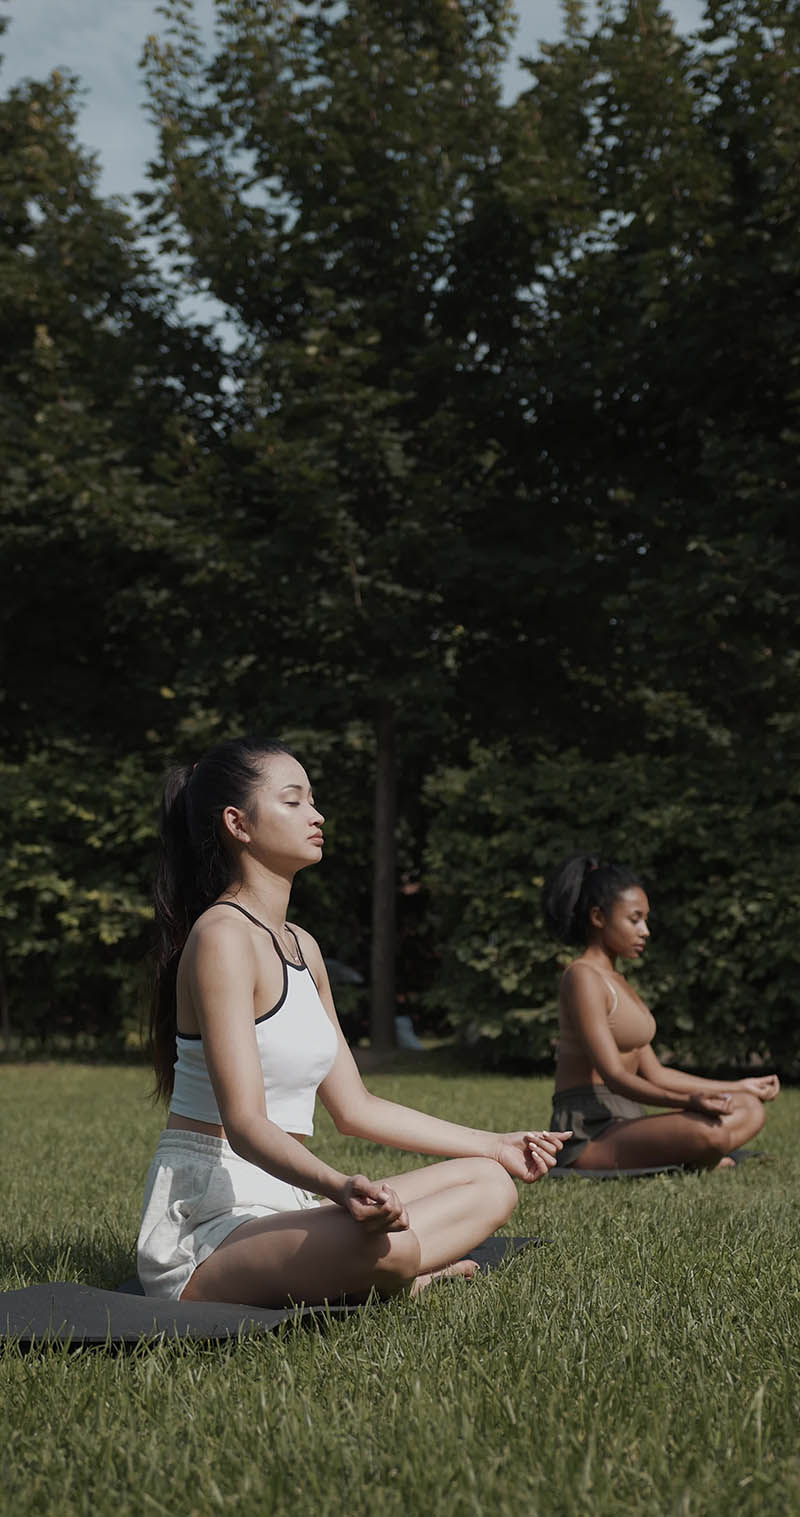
(606, 1063)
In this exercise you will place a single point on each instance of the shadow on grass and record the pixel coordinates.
(103, 1260)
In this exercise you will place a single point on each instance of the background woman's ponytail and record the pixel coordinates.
(193, 869)
(574, 887)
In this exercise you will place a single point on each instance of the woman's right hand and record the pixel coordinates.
(712, 1103)
(766, 1087)
(374, 1205)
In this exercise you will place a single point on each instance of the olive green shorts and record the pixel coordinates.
(588, 1111)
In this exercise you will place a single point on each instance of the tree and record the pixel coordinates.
(94, 380)
(667, 406)
(500, 451)
(319, 176)
(676, 332)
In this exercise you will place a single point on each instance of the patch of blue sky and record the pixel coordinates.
(102, 41)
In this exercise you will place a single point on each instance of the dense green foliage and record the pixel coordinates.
(491, 495)
(644, 1361)
(672, 371)
(716, 849)
(94, 378)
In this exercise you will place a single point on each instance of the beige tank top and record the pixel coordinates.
(631, 1023)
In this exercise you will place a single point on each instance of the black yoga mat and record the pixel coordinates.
(569, 1172)
(82, 1316)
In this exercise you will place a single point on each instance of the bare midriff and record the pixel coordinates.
(211, 1129)
(574, 1069)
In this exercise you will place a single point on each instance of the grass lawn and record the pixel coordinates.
(647, 1360)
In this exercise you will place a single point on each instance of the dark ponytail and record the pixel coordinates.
(193, 869)
(574, 887)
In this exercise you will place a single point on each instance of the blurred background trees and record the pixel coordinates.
(486, 503)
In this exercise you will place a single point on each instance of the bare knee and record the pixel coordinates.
(500, 1186)
(508, 1194)
(748, 1114)
(742, 1122)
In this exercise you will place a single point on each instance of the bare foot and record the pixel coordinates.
(726, 1163)
(465, 1267)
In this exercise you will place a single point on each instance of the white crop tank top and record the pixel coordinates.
(297, 1047)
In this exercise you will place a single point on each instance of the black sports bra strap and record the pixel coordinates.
(263, 925)
(246, 913)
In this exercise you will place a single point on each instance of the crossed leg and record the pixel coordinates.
(678, 1137)
(452, 1206)
(321, 1254)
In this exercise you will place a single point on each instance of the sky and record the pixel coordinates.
(101, 41)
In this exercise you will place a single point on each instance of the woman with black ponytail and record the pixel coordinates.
(244, 1035)
(606, 1064)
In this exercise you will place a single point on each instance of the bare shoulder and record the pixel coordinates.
(581, 981)
(218, 933)
(578, 972)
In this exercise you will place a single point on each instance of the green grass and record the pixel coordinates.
(647, 1360)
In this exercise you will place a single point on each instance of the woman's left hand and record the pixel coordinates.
(766, 1087)
(529, 1155)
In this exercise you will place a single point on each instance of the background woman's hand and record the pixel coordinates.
(712, 1103)
(529, 1155)
(373, 1205)
(766, 1087)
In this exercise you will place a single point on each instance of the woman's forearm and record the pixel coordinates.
(397, 1126)
(637, 1088)
(262, 1143)
(678, 1079)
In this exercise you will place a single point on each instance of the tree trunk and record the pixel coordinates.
(5, 1015)
(382, 974)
